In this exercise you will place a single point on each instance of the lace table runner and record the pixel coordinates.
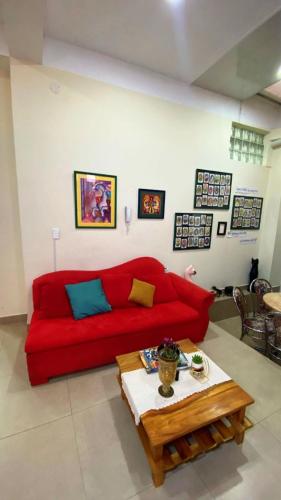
(142, 394)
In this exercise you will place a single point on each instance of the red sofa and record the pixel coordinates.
(57, 343)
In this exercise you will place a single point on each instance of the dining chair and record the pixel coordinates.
(259, 287)
(273, 340)
(252, 326)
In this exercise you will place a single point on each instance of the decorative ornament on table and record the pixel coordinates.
(189, 272)
(168, 357)
(199, 367)
(197, 363)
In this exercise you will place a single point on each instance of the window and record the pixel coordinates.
(246, 144)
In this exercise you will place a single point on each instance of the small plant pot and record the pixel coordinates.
(197, 367)
(197, 363)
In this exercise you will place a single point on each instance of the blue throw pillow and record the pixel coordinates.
(87, 298)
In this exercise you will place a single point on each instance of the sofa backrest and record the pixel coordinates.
(51, 301)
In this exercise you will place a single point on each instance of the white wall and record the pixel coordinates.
(270, 249)
(12, 289)
(147, 142)
(256, 111)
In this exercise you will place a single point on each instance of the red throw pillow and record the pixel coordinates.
(54, 302)
(117, 288)
(165, 290)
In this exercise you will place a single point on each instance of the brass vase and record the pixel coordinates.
(167, 374)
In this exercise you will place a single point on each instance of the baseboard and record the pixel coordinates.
(15, 318)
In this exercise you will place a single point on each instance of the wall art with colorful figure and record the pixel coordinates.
(95, 200)
(151, 204)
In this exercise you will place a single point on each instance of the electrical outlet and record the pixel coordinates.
(56, 233)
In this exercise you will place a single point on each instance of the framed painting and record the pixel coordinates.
(95, 200)
(246, 212)
(192, 231)
(212, 190)
(151, 204)
(221, 229)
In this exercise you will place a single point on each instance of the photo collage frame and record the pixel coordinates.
(192, 231)
(212, 190)
(246, 212)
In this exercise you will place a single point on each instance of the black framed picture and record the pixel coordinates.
(192, 231)
(151, 204)
(212, 190)
(221, 229)
(246, 212)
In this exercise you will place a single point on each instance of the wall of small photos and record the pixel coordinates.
(246, 212)
(192, 231)
(212, 190)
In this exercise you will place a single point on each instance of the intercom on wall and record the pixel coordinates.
(128, 215)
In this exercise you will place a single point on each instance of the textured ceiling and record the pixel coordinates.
(250, 66)
(223, 45)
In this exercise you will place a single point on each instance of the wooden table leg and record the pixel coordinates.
(237, 422)
(121, 388)
(158, 478)
(158, 474)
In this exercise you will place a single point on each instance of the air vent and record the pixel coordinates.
(276, 143)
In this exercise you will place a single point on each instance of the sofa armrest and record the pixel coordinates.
(192, 294)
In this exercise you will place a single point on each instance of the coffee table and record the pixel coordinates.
(179, 432)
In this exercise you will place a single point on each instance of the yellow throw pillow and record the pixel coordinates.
(142, 293)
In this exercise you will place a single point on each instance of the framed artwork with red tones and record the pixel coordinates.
(151, 204)
(95, 200)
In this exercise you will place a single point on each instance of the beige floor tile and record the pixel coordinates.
(231, 325)
(41, 464)
(92, 387)
(12, 356)
(234, 472)
(23, 408)
(180, 484)
(112, 459)
(254, 372)
(273, 424)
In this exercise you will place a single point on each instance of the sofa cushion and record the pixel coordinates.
(117, 288)
(142, 293)
(165, 290)
(55, 333)
(87, 299)
(54, 301)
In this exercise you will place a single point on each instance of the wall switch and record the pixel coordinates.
(55, 233)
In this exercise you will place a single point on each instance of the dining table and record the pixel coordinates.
(273, 300)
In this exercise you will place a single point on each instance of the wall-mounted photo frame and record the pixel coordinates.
(212, 190)
(221, 229)
(246, 212)
(95, 200)
(151, 204)
(192, 231)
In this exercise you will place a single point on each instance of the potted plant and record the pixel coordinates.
(197, 363)
(168, 356)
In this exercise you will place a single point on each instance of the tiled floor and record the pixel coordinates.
(231, 325)
(74, 438)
